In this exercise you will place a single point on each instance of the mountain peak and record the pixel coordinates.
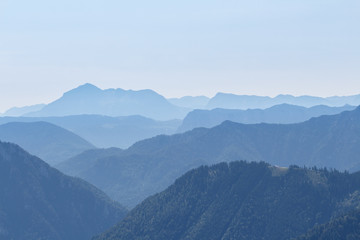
(85, 88)
(89, 99)
(88, 86)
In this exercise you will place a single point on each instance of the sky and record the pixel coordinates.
(178, 48)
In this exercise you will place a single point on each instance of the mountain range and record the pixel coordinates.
(149, 166)
(232, 101)
(105, 131)
(39, 202)
(283, 114)
(166, 179)
(51, 143)
(89, 99)
(240, 200)
(122, 132)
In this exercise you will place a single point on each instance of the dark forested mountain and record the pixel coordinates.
(232, 101)
(239, 201)
(346, 227)
(190, 102)
(283, 113)
(52, 143)
(39, 202)
(105, 131)
(88, 99)
(151, 165)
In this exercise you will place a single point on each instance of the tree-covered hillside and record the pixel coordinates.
(346, 227)
(239, 201)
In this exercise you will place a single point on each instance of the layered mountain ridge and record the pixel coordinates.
(105, 131)
(282, 114)
(149, 166)
(48, 141)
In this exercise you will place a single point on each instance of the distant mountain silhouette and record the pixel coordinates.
(19, 111)
(283, 113)
(88, 99)
(198, 102)
(91, 100)
(232, 101)
(39, 202)
(149, 166)
(104, 131)
(52, 143)
(243, 201)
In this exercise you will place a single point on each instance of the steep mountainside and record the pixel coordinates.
(151, 165)
(88, 99)
(232, 101)
(342, 228)
(39, 202)
(104, 131)
(238, 201)
(51, 143)
(283, 114)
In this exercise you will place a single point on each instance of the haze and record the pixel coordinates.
(178, 48)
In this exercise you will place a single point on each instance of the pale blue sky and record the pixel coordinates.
(178, 48)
